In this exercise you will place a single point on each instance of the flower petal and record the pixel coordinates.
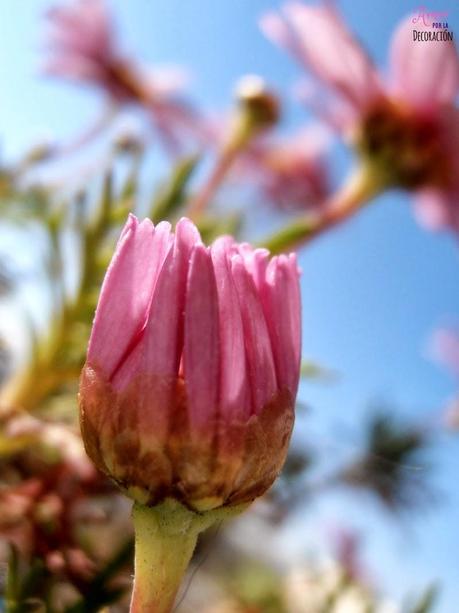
(164, 342)
(281, 303)
(155, 360)
(437, 209)
(278, 31)
(320, 40)
(423, 73)
(126, 292)
(234, 391)
(201, 358)
(260, 364)
(256, 262)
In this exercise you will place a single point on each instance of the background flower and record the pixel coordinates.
(406, 132)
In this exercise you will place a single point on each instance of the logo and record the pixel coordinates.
(434, 25)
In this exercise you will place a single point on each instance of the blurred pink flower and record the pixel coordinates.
(319, 39)
(445, 348)
(406, 126)
(45, 479)
(83, 47)
(451, 414)
(192, 367)
(347, 545)
(290, 172)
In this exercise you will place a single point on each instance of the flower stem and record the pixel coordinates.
(205, 195)
(359, 189)
(252, 118)
(166, 536)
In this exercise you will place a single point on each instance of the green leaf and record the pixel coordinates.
(392, 465)
(12, 580)
(426, 601)
(212, 227)
(173, 194)
(98, 592)
(314, 371)
(23, 594)
(290, 236)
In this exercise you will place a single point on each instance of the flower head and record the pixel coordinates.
(290, 172)
(319, 39)
(405, 126)
(192, 368)
(83, 47)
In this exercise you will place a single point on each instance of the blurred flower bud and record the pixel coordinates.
(40, 152)
(258, 101)
(129, 141)
(258, 109)
(192, 369)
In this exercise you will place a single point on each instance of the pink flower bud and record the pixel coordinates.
(192, 369)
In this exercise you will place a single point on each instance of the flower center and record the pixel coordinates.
(409, 150)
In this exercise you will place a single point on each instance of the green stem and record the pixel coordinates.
(362, 185)
(244, 128)
(166, 536)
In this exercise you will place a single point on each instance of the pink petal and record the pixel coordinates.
(234, 391)
(201, 358)
(445, 348)
(166, 81)
(126, 292)
(423, 73)
(74, 68)
(164, 334)
(276, 29)
(85, 26)
(256, 262)
(260, 364)
(282, 307)
(437, 209)
(164, 349)
(157, 355)
(321, 41)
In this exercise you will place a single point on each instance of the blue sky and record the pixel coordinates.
(373, 290)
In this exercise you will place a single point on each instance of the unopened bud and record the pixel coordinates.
(258, 110)
(255, 98)
(193, 363)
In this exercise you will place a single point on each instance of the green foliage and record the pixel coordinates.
(211, 227)
(22, 585)
(30, 586)
(290, 236)
(316, 372)
(392, 465)
(101, 590)
(258, 588)
(172, 195)
(58, 353)
(426, 601)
